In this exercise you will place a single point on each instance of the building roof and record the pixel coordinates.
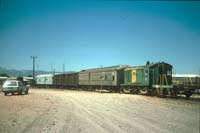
(3, 77)
(28, 78)
(185, 75)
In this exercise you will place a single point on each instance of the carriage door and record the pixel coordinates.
(113, 78)
(134, 76)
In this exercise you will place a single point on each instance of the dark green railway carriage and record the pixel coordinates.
(152, 78)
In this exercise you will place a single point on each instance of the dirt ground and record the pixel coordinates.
(57, 111)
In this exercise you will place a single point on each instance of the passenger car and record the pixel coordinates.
(12, 86)
(108, 78)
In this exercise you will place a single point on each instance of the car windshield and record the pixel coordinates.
(10, 83)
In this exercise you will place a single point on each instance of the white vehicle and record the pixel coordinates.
(13, 86)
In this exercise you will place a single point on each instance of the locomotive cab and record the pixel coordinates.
(161, 77)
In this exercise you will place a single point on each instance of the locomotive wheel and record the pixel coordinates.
(173, 93)
(126, 90)
(158, 92)
(188, 94)
(144, 90)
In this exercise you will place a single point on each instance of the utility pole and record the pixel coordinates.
(51, 68)
(198, 78)
(174, 71)
(63, 67)
(199, 71)
(33, 57)
(54, 71)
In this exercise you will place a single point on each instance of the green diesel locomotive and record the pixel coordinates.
(154, 79)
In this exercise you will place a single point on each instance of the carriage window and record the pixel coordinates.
(102, 77)
(160, 70)
(105, 77)
(169, 73)
(113, 78)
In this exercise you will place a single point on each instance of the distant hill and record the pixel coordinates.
(16, 73)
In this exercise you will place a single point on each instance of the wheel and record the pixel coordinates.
(5, 93)
(158, 92)
(20, 93)
(143, 90)
(173, 93)
(165, 92)
(26, 92)
(188, 94)
(126, 90)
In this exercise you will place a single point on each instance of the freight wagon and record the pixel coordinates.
(66, 80)
(187, 84)
(186, 79)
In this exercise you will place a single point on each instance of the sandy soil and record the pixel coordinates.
(57, 111)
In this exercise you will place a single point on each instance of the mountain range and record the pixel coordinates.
(16, 73)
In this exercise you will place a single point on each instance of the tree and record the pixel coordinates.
(20, 78)
(4, 75)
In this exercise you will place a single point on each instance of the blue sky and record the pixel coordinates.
(87, 34)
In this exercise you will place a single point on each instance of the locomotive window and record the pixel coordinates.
(169, 73)
(146, 72)
(133, 73)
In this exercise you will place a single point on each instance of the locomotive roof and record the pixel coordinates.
(154, 64)
(150, 65)
(118, 67)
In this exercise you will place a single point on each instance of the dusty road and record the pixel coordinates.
(60, 111)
